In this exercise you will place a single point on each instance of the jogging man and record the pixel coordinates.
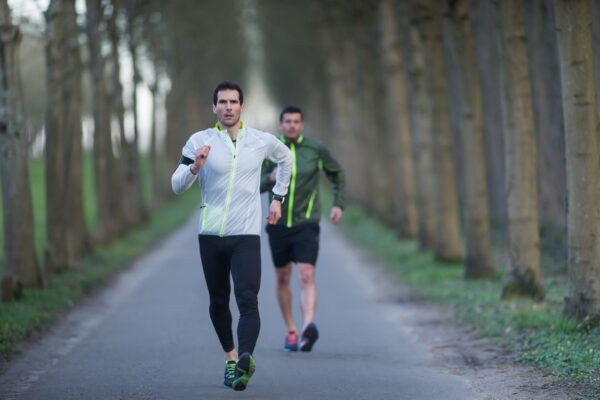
(295, 238)
(226, 161)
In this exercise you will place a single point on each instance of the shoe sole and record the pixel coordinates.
(291, 348)
(311, 334)
(246, 365)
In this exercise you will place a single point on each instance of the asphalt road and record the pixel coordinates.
(148, 336)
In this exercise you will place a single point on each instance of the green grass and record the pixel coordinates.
(89, 194)
(39, 307)
(536, 331)
(38, 193)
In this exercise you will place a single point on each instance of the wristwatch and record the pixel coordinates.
(279, 198)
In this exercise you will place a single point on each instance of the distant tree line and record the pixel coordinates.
(454, 119)
(458, 120)
(160, 42)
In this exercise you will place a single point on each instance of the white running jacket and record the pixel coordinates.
(230, 179)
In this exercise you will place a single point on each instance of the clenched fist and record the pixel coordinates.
(201, 156)
(336, 214)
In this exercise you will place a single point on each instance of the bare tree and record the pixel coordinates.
(548, 117)
(524, 277)
(582, 134)
(21, 266)
(370, 85)
(421, 116)
(479, 248)
(133, 171)
(403, 185)
(487, 37)
(67, 233)
(127, 204)
(107, 203)
(596, 43)
(448, 245)
(154, 28)
(158, 177)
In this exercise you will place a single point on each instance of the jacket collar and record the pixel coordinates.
(222, 131)
(287, 141)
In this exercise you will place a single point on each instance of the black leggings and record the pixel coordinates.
(239, 255)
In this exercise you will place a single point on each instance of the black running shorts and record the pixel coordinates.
(298, 244)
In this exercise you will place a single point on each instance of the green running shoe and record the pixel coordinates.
(229, 372)
(245, 369)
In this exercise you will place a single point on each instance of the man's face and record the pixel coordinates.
(228, 108)
(291, 125)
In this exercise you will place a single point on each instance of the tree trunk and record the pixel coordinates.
(127, 204)
(485, 23)
(370, 88)
(67, 234)
(479, 249)
(133, 168)
(582, 129)
(104, 161)
(422, 132)
(596, 44)
(525, 278)
(174, 120)
(547, 107)
(155, 32)
(159, 180)
(400, 143)
(448, 245)
(21, 266)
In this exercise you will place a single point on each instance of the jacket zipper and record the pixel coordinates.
(229, 190)
(310, 204)
(292, 187)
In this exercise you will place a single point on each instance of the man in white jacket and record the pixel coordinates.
(226, 161)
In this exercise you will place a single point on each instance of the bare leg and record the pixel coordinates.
(308, 296)
(284, 295)
(231, 355)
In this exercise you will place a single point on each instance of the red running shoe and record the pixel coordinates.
(291, 341)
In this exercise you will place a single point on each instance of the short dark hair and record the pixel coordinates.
(291, 110)
(227, 85)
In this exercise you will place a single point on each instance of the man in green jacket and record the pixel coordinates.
(295, 238)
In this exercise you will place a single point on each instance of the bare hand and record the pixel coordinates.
(273, 175)
(201, 156)
(336, 214)
(274, 212)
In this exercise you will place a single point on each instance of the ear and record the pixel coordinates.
(214, 109)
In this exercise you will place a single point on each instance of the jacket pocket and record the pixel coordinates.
(211, 218)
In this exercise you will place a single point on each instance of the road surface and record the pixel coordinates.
(148, 336)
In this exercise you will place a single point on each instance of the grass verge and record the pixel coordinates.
(39, 307)
(38, 194)
(536, 331)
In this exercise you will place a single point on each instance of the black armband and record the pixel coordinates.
(185, 160)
